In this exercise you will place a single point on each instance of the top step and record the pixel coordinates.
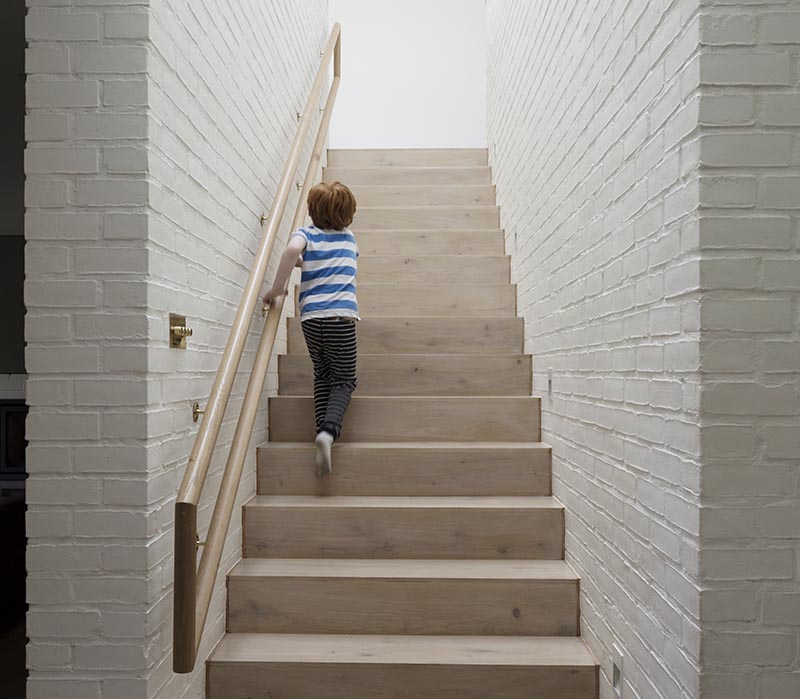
(408, 157)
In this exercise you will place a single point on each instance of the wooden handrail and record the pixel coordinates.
(194, 585)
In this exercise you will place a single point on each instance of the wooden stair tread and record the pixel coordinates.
(533, 502)
(539, 446)
(555, 651)
(396, 157)
(400, 569)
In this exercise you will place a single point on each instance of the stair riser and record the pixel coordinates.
(441, 269)
(411, 157)
(428, 336)
(392, 606)
(443, 242)
(424, 217)
(479, 419)
(430, 300)
(411, 472)
(408, 175)
(383, 532)
(424, 195)
(398, 681)
(401, 375)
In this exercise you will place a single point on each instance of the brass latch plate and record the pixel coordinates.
(178, 332)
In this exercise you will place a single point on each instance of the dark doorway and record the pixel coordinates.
(12, 351)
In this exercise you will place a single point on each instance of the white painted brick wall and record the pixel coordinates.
(750, 350)
(157, 132)
(593, 136)
(648, 165)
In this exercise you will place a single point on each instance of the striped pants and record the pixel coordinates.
(332, 346)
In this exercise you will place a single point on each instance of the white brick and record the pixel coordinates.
(65, 93)
(748, 315)
(744, 648)
(781, 356)
(737, 150)
(127, 25)
(727, 110)
(63, 624)
(782, 109)
(783, 441)
(780, 684)
(110, 261)
(62, 160)
(110, 126)
(46, 192)
(110, 59)
(116, 192)
(125, 160)
(48, 59)
(59, 26)
(48, 656)
(741, 564)
(63, 427)
(45, 259)
(729, 273)
(728, 192)
(781, 192)
(62, 226)
(746, 68)
(729, 356)
(120, 226)
(46, 126)
(728, 29)
(125, 93)
(50, 523)
(61, 294)
(64, 556)
(112, 523)
(60, 688)
(746, 232)
(63, 491)
(781, 28)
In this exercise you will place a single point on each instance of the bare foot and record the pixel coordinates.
(322, 461)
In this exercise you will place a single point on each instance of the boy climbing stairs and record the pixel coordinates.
(430, 563)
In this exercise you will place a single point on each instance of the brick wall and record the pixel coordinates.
(750, 348)
(156, 137)
(646, 157)
(593, 135)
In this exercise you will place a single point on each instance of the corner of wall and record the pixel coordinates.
(750, 329)
(155, 141)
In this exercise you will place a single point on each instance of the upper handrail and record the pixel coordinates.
(194, 586)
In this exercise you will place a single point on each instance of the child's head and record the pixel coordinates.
(331, 205)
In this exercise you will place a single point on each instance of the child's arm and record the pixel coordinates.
(289, 259)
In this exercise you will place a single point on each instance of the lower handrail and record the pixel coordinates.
(194, 585)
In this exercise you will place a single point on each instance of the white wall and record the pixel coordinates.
(413, 74)
(749, 238)
(157, 133)
(650, 191)
(594, 145)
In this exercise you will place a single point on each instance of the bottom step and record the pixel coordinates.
(278, 666)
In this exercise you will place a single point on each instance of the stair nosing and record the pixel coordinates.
(537, 446)
(408, 502)
(490, 570)
(528, 651)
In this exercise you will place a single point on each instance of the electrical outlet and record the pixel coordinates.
(616, 671)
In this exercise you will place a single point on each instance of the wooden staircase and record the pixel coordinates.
(430, 565)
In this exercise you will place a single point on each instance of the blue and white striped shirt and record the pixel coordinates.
(328, 281)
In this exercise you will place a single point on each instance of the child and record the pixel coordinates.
(328, 307)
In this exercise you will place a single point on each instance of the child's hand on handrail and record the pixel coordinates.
(269, 296)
